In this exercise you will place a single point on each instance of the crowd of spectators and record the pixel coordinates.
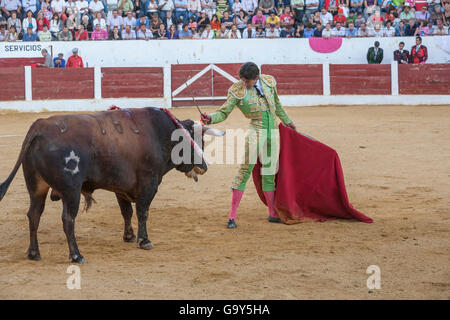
(60, 20)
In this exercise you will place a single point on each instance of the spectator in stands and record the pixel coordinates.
(169, 20)
(318, 30)
(241, 21)
(94, 7)
(48, 63)
(350, 19)
(125, 6)
(327, 32)
(173, 33)
(83, 7)
(55, 26)
(203, 21)
(339, 30)
(99, 33)
(410, 28)
(30, 5)
(221, 7)
(86, 23)
(181, 10)
(139, 8)
(370, 7)
(236, 7)
(185, 33)
(208, 33)
(29, 21)
(99, 20)
(58, 7)
(437, 15)
(72, 20)
(249, 32)
(311, 7)
(377, 31)
(259, 18)
(81, 34)
(273, 19)
(298, 6)
(144, 33)
(400, 30)
(287, 18)
(209, 7)
(423, 15)
(359, 20)
(440, 29)
(300, 30)
(114, 20)
(325, 16)
(194, 7)
(12, 35)
(152, 7)
(375, 54)
(227, 20)
(250, 7)
(401, 55)
(14, 21)
(2, 20)
(351, 31)
(70, 5)
(128, 33)
(3, 33)
(162, 32)
(129, 20)
(59, 61)
(424, 29)
(340, 17)
(223, 32)
(45, 34)
(10, 6)
(389, 31)
(115, 34)
(234, 33)
(419, 53)
(272, 32)
(74, 61)
(363, 31)
(260, 32)
(164, 7)
(406, 15)
(267, 6)
(154, 25)
(30, 36)
(65, 34)
(215, 23)
(332, 7)
(308, 32)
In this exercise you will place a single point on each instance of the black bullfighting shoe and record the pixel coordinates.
(273, 219)
(231, 224)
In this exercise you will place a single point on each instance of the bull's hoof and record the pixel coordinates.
(146, 245)
(34, 255)
(274, 219)
(231, 224)
(129, 238)
(78, 259)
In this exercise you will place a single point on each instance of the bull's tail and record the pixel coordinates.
(31, 135)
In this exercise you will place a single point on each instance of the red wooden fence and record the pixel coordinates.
(424, 79)
(13, 84)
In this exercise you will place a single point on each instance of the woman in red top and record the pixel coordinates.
(215, 23)
(40, 21)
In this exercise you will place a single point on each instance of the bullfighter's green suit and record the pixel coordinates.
(262, 138)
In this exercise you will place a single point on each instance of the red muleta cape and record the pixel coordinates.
(309, 181)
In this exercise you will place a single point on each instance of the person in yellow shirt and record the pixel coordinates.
(273, 19)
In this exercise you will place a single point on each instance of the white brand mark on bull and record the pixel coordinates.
(74, 157)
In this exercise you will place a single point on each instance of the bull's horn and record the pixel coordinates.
(209, 131)
(192, 174)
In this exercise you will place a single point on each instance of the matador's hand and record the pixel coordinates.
(206, 119)
(292, 126)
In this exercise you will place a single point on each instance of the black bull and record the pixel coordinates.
(123, 151)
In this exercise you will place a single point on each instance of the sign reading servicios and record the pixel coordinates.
(20, 50)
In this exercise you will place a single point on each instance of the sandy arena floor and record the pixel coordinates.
(397, 169)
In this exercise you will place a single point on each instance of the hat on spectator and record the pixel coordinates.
(74, 50)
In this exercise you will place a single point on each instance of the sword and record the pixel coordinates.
(193, 99)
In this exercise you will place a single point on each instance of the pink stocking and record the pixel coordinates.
(236, 199)
(270, 199)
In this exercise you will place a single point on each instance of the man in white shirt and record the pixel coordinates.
(96, 6)
(129, 20)
(272, 32)
(29, 5)
(338, 31)
(440, 29)
(114, 20)
(144, 33)
(83, 7)
(311, 7)
(249, 6)
(165, 6)
(388, 30)
(325, 17)
(128, 33)
(327, 32)
(58, 6)
(208, 33)
(249, 32)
